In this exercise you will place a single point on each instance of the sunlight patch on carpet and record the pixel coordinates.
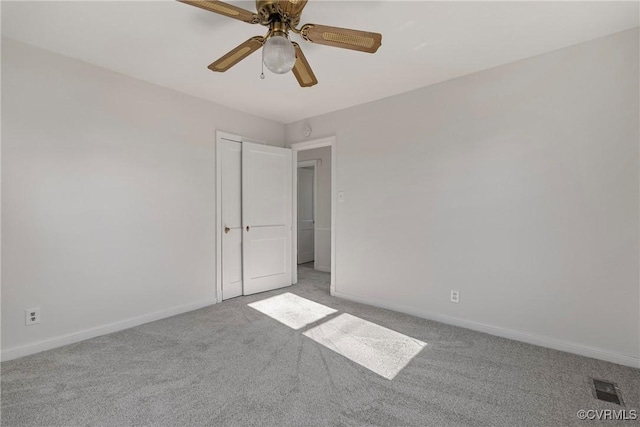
(294, 311)
(378, 349)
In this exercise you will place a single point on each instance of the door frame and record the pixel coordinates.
(308, 145)
(314, 165)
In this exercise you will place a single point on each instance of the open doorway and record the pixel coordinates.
(314, 237)
(307, 204)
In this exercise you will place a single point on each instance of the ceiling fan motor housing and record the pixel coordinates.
(271, 11)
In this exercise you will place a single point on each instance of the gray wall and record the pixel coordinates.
(517, 186)
(108, 195)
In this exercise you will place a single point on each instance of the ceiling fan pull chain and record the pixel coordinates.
(262, 73)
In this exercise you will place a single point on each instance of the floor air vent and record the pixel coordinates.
(609, 392)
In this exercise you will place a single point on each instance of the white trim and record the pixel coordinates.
(316, 143)
(228, 136)
(526, 337)
(294, 218)
(25, 350)
(253, 141)
(308, 164)
(308, 145)
(315, 210)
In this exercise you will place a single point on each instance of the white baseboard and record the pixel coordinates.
(48, 344)
(526, 337)
(323, 268)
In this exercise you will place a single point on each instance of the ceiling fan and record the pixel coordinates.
(280, 55)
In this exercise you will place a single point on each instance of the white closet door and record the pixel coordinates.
(231, 176)
(266, 217)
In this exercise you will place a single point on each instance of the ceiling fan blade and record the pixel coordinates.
(346, 38)
(238, 54)
(302, 70)
(225, 9)
(292, 7)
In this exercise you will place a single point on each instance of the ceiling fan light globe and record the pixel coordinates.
(278, 54)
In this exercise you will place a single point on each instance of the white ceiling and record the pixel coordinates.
(170, 44)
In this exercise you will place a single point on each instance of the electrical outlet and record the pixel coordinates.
(455, 296)
(32, 316)
(340, 196)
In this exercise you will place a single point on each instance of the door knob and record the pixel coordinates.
(226, 230)
(247, 228)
